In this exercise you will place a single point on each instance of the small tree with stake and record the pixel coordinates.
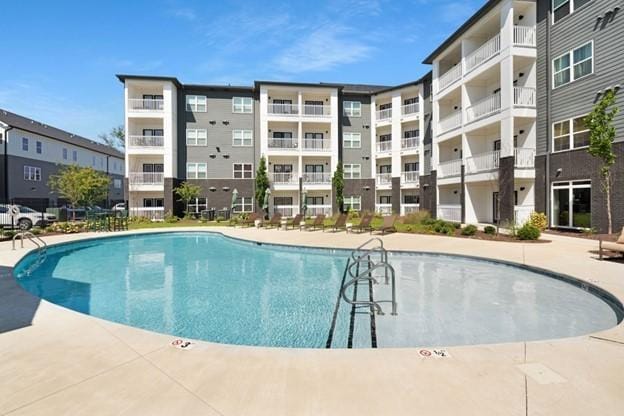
(262, 181)
(81, 186)
(338, 182)
(601, 137)
(187, 192)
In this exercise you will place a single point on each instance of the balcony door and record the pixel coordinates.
(314, 200)
(571, 204)
(385, 199)
(314, 168)
(283, 107)
(153, 168)
(410, 167)
(314, 108)
(385, 168)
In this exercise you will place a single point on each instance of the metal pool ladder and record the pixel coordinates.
(42, 248)
(363, 261)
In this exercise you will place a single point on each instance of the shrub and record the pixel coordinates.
(538, 220)
(457, 225)
(170, 218)
(528, 232)
(418, 217)
(443, 227)
(139, 220)
(469, 230)
(491, 230)
(67, 227)
(220, 218)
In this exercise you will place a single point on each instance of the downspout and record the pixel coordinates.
(6, 163)
(548, 117)
(109, 175)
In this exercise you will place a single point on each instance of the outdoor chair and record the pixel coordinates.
(251, 220)
(388, 224)
(275, 221)
(318, 222)
(365, 224)
(341, 223)
(613, 247)
(295, 222)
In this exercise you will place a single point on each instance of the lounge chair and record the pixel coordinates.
(341, 223)
(365, 224)
(251, 219)
(614, 247)
(295, 222)
(275, 221)
(318, 222)
(388, 224)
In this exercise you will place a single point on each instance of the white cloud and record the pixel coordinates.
(184, 13)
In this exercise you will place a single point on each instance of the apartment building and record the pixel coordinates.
(484, 116)
(579, 45)
(31, 152)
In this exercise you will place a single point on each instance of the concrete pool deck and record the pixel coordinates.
(57, 361)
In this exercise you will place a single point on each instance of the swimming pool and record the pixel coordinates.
(207, 286)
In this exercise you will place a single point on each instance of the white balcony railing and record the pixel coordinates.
(410, 143)
(286, 210)
(524, 96)
(450, 168)
(485, 52)
(146, 178)
(449, 77)
(409, 109)
(281, 178)
(383, 115)
(450, 122)
(484, 107)
(524, 157)
(146, 141)
(409, 177)
(384, 209)
(319, 145)
(524, 36)
(283, 109)
(409, 208)
(449, 212)
(316, 110)
(153, 213)
(384, 146)
(482, 162)
(314, 210)
(384, 179)
(145, 104)
(288, 143)
(522, 213)
(316, 178)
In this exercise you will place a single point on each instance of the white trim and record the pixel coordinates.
(242, 137)
(571, 132)
(242, 170)
(572, 64)
(32, 173)
(196, 133)
(193, 103)
(353, 168)
(570, 186)
(572, 9)
(350, 110)
(197, 172)
(243, 105)
(351, 140)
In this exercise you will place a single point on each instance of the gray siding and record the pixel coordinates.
(356, 125)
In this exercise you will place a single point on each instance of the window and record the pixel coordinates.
(32, 173)
(573, 65)
(409, 134)
(196, 103)
(65, 155)
(196, 170)
(243, 204)
(562, 8)
(198, 205)
(39, 148)
(25, 144)
(571, 204)
(410, 101)
(411, 199)
(385, 199)
(353, 203)
(242, 138)
(93, 161)
(352, 140)
(117, 183)
(196, 137)
(352, 171)
(570, 134)
(242, 105)
(243, 170)
(410, 167)
(74, 155)
(153, 202)
(282, 200)
(352, 108)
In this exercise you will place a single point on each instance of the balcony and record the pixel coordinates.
(316, 110)
(384, 179)
(524, 36)
(286, 210)
(409, 109)
(314, 210)
(146, 181)
(409, 208)
(288, 178)
(317, 178)
(146, 105)
(383, 115)
(410, 143)
(384, 146)
(483, 54)
(317, 145)
(524, 158)
(449, 212)
(383, 209)
(450, 168)
(482, 162)
(524, 97)
(279, 109)
(449, 77)
(409, 178)
(153, 213)
(146, 141)
(450, 122)
(278, 143)
(484, 107)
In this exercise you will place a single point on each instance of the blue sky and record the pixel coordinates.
(60, 57)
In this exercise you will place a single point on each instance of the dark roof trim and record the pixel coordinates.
(407, 84)
(124, 77)
(485, 9)
(299, 84)
(218, 87)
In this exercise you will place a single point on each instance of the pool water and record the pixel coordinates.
(207, 286)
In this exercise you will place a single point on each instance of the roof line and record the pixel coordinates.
(407, 84)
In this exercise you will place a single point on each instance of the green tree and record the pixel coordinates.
(115, 138)
(601, 137)
(338, 183)
(187, 191)
(81, 186)
(262, 181)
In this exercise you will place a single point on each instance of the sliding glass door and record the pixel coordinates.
(571, 204)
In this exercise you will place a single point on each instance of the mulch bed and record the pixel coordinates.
(580, 234)
(480, 235)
